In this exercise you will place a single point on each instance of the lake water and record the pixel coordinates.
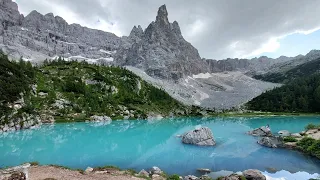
(142, 144)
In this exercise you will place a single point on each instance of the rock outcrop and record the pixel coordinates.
(262, 131)
(252, 174)
(271, 142)
(18, 122)
(96, 118)
(201, 137)
(284, 133)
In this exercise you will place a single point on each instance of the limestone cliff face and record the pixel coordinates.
(161, 50)
(38, 36)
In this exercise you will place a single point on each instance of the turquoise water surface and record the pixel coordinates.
(141, 144)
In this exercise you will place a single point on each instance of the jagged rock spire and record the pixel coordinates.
(162, 17)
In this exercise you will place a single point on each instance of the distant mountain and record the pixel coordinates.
(307, 66)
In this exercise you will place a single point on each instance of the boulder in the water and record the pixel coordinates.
(253, 174)
(284, 133)
(262, 131)
(201, 136)
(271, 142)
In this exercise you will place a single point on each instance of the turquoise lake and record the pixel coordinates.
(141, 144)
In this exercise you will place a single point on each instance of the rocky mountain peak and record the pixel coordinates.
(136, 31)
(161, 51)
(9, 4)
(162, 17)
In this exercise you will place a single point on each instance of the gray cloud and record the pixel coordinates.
(218, 29)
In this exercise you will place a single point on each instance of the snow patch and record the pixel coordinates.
(24, 29)
(202, 76)
(107, 52)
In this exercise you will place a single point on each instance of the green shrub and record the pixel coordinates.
(34, 163)
(312, 126)
(289, 139)
(305, 143)
(173, 177)
(314, 149)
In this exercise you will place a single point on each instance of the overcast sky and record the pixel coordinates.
(217, 28)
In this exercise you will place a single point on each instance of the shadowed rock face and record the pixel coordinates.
(161, 50)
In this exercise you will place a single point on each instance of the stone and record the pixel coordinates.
(290, 145)
(61, 103)
(296, 135)
(253, 174)
(155, 170)
(201, 137)
(271, 142)
(204, 170)
(88, 170)
(47, 119)
(190, 177)
(96, 118)
(262, 131)
(143, 173)
(284, 133)
(42, 94)
(154, 176)
(314, 134)
(231, 177)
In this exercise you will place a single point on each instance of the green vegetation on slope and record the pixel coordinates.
(91, 89)
(74, 91)
(310, 146)
(300, 95)
(303, 70)
(15, 80)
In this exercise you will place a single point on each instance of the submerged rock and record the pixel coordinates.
(262, 131)
(271, 142)
(253, 174)
(201, 137)
(284, 133)
(203, 170)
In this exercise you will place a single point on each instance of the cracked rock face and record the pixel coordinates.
(201, 137)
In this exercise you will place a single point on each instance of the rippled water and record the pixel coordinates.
(143, 144)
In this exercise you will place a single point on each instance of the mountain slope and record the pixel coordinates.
(303, 70)
(300, 95)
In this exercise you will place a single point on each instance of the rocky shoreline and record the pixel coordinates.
(300, 141)
(33, 171)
